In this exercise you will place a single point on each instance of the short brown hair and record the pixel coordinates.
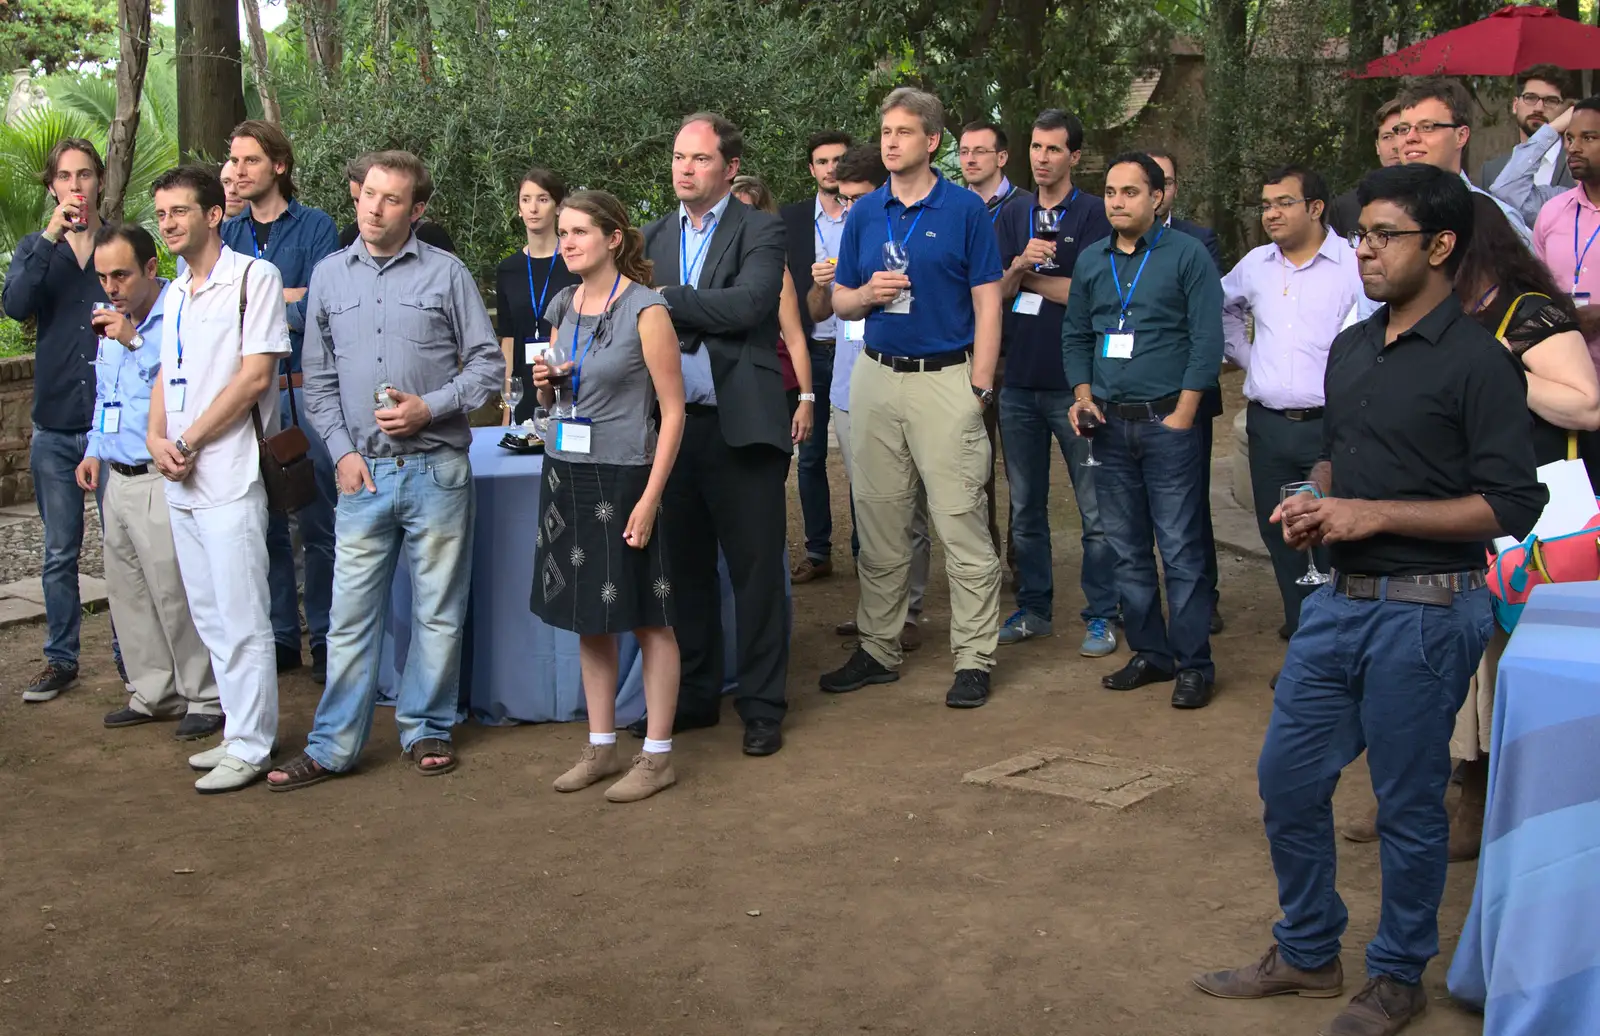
(1555, 75)
(409, 164)
(276, 144)
(1388, 110)
(52, 161)
(756, 190)
(1448, 91)
(730, 141)
(920, 103)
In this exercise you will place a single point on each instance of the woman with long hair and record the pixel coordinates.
(526, 281)
(598, 568)
(1511, 293)
(793, 352)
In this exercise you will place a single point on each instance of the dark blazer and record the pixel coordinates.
(800, 232)
(733, 314)
(1206, 236)
(1491, 170)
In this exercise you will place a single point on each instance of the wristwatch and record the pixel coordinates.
(808, 397)
(183, 447)
(136, 342)
(985, 396)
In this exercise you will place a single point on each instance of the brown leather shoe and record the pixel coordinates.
(810, 569)
(1466, 821)
(847, 628)
(1364, 829)
(910, 636)
(1382, 1008)
(1272, 976)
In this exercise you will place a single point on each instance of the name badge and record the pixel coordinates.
(532, 349)
(1580, 299)
(176, 389)
(900, 306)
(1117, 345)
(574, 436)
(855, 330)
(1028, 303)
(111, 418)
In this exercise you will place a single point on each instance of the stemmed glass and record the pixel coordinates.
(514, 393)
(1313, 576)
(897, 260)
(556, 357)
(1046, 227)
(1088, 424)
(541, 422)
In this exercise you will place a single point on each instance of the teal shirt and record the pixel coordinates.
(1175, 315)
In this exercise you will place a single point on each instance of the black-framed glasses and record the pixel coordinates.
(1279, 203)
(1533, 100)
(1379, 239)
(1423, 128)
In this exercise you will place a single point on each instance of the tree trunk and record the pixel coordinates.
(258, 61)
(133, 32)
(210, 79)
(424, 41)
(484, 20)
(1226, 107)
(319, 24)
(1569, 9)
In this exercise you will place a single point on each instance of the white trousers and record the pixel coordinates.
(222, 553)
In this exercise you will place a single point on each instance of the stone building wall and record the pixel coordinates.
(16, 429)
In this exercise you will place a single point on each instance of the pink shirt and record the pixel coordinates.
(1553, 242)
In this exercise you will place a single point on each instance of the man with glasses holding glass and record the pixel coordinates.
(1434, 128)
(1541, 96)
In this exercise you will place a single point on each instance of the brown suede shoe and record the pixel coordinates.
(1272, 976)
(1382, 1008)
(810, 569)
(595, 764)
(910, 636)
(1364, 829)
(652, 772)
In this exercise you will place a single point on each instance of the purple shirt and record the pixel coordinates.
(1297, 310)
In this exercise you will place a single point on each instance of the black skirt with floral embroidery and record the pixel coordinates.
(585, 576)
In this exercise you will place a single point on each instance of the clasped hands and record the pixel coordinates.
(1309, 521)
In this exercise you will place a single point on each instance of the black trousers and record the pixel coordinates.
(733, 498)
(1282, 451)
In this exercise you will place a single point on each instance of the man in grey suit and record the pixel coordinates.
(1541, 96)
(720, 266)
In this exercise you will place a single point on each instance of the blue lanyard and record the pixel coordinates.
(685, 267)
(577, 325)
(255, 242)
(995, 215)
(816, 224)
(177, 331)
(888, 227)
(538, 300)
(1125, 302)
(1483, 300)
(1577, 257)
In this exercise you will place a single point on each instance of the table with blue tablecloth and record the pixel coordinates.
(514, 668)
(1529, 955)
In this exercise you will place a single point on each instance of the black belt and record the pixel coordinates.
(1303, 414)
(1424, 589)
(699, 409)
(918, 364)
(130, 470)
(1139, 411)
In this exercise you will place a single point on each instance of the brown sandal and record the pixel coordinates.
(302, 771)
(436, 747)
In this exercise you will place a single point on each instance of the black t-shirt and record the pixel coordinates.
(426, 230)
(1440, 414)
(262, 232)
(1537, 318)
(515, 303)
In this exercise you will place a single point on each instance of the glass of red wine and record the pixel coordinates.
(559, 361)
(1047, 227)
(1088, 423)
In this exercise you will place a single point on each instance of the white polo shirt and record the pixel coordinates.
(203, 328)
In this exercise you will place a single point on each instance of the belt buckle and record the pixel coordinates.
(1363, 588)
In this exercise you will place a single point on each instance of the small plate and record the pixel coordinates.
(521, 444)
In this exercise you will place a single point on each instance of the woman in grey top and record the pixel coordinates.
(598, 570)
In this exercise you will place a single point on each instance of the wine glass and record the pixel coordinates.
(556, 358)
(1313, 576)
(897, 260)
(541, 422)
(1088, 424)
(1046, 227)
(514, 393)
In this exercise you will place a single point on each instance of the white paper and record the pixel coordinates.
(1119, 345)
(175, 392)
(855, 330)
(532, 349)
(901, 305)
(1571, 504)
(111, 419)
(1028, 303)
(572, 437)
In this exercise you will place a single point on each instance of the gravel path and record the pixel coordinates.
(22, 547)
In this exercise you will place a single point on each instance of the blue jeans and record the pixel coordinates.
(1150, 494)
(1388, 677)
(1029, 418)
(424, 505)
(316, 533)
(816, 508)
(53, 459)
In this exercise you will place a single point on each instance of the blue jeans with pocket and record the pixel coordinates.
(1150, 491)
(1387, 677)
(424, 506)
(53, 459)
(316, 534)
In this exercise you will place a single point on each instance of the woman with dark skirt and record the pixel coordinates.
(599, 569)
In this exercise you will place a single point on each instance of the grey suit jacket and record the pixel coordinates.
(733, 314)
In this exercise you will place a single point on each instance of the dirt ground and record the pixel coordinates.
(892, 898)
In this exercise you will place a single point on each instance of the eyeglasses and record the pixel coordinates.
(845, 201)
(975, 152)
(1533, 100)
(1379, 239)
(1279, 203)
(1423, 128)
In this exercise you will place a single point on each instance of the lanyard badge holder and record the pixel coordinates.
(575, 434)
(177, 388)
(533, 348)
(897, 259)
(1580, 298)
(1117, 343)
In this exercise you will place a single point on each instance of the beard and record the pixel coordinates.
(1531, 124)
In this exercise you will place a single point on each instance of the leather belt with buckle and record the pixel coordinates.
(1139, 411)
(1439, 589)
(287, 381)
(918, 364)
(130, 470)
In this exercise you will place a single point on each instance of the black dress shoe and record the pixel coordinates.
(680, 723)
(1284, 632)
(319, 663)
(128, 718)
(762, 737)
(1273, 683)
(1216, 621)
(858, 670)
(1192, 690)
(1136, 673)
(194, 727)
(970, 690)
(288, 658)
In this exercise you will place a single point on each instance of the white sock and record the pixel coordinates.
(602, 739)
(657, 747)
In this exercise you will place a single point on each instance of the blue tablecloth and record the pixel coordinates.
(514, 668)
(1529, 954)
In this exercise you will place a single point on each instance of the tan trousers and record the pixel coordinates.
(927, 425)
(921, 542)
(1475, 721)
(168, 666)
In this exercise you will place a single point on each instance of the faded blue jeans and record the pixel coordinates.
(424, 506)
(53, 459)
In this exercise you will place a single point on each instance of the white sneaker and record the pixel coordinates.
(208, 759)
(230, 774)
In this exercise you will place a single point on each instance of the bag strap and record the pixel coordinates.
(1511, 310)
(1572, 445)
(255, 408)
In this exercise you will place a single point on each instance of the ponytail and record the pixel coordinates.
(631, 261)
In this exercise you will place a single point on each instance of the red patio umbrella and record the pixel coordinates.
(1502, 44)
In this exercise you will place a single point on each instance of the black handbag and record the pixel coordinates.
(286, 470)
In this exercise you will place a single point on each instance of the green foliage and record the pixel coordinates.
(15, 339)
(51, 35)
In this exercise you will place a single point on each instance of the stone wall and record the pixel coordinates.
(16, 429)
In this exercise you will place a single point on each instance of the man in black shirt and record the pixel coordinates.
(1426, 457)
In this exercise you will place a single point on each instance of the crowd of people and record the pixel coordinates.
(1412, 352)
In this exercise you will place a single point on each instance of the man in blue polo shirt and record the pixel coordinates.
(918, 396)
(1035, 396)
(1141, 343)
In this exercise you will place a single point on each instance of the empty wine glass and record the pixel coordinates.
(897, 260)
(541, 422)
(1313, 576)
(558, 360)
(1046, 227)
(514, 393)
(1088, 424)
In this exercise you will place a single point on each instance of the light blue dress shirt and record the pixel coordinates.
(698, 386)
(827, 235)
(122, 380)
